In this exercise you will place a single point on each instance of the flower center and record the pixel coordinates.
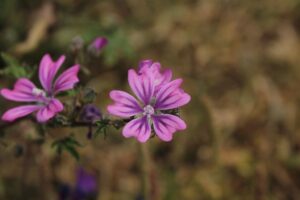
(148, 110)
(38, 92)
(41, 96)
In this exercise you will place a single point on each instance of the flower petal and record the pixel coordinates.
(44, 114)
(167, 89)
(49, 111)
(149, 67)
(55, 105)
(166, 76)
(152, 69)
(171, 96)
(47, 71)
(165, 125)
(175, 100)
(20, 111)
(141, 85)
(125, 104)
(22, 91)
(24, 85)
(139, 128)
(67, 79)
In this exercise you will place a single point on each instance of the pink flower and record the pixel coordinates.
(148, 109)
(42, 101)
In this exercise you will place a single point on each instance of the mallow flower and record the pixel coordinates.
(156, 94)
(42, 101)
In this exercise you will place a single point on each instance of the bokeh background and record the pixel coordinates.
(239, 60)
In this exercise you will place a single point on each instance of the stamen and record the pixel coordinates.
(38, 92)
(148, 110)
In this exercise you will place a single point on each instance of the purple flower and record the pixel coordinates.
(85, 187)
(90, 113)
(97, 45)
(155, 94)
(42, 101)
(86, 183)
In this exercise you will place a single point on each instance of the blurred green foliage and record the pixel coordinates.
(14, 69)
(68, 144)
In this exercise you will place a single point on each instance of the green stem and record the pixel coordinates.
(146, 166)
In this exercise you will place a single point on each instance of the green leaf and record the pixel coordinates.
(72, 93)
(117, 48)
(102, 127)
(67, 144)
(72, 142)
(73, 152)
(9, 60)
(14, 69)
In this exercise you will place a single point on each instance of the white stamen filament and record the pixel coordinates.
(148, 110)
(38, 92)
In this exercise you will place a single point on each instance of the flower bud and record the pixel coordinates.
(90, 113)
(76, 44)
(97, 45)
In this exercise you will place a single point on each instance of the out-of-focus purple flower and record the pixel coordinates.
(148, 109)
(42, 101)
(90, 113)
(97, 45)
(86, 185)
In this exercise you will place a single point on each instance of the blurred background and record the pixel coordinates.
(239, 60)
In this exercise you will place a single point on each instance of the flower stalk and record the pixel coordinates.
(146, 169)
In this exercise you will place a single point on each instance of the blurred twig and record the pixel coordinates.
(44, 18)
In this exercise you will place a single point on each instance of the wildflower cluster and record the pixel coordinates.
(151, 111)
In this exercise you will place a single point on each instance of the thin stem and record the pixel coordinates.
(108, 122)
(65, 124)
(146, 166)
